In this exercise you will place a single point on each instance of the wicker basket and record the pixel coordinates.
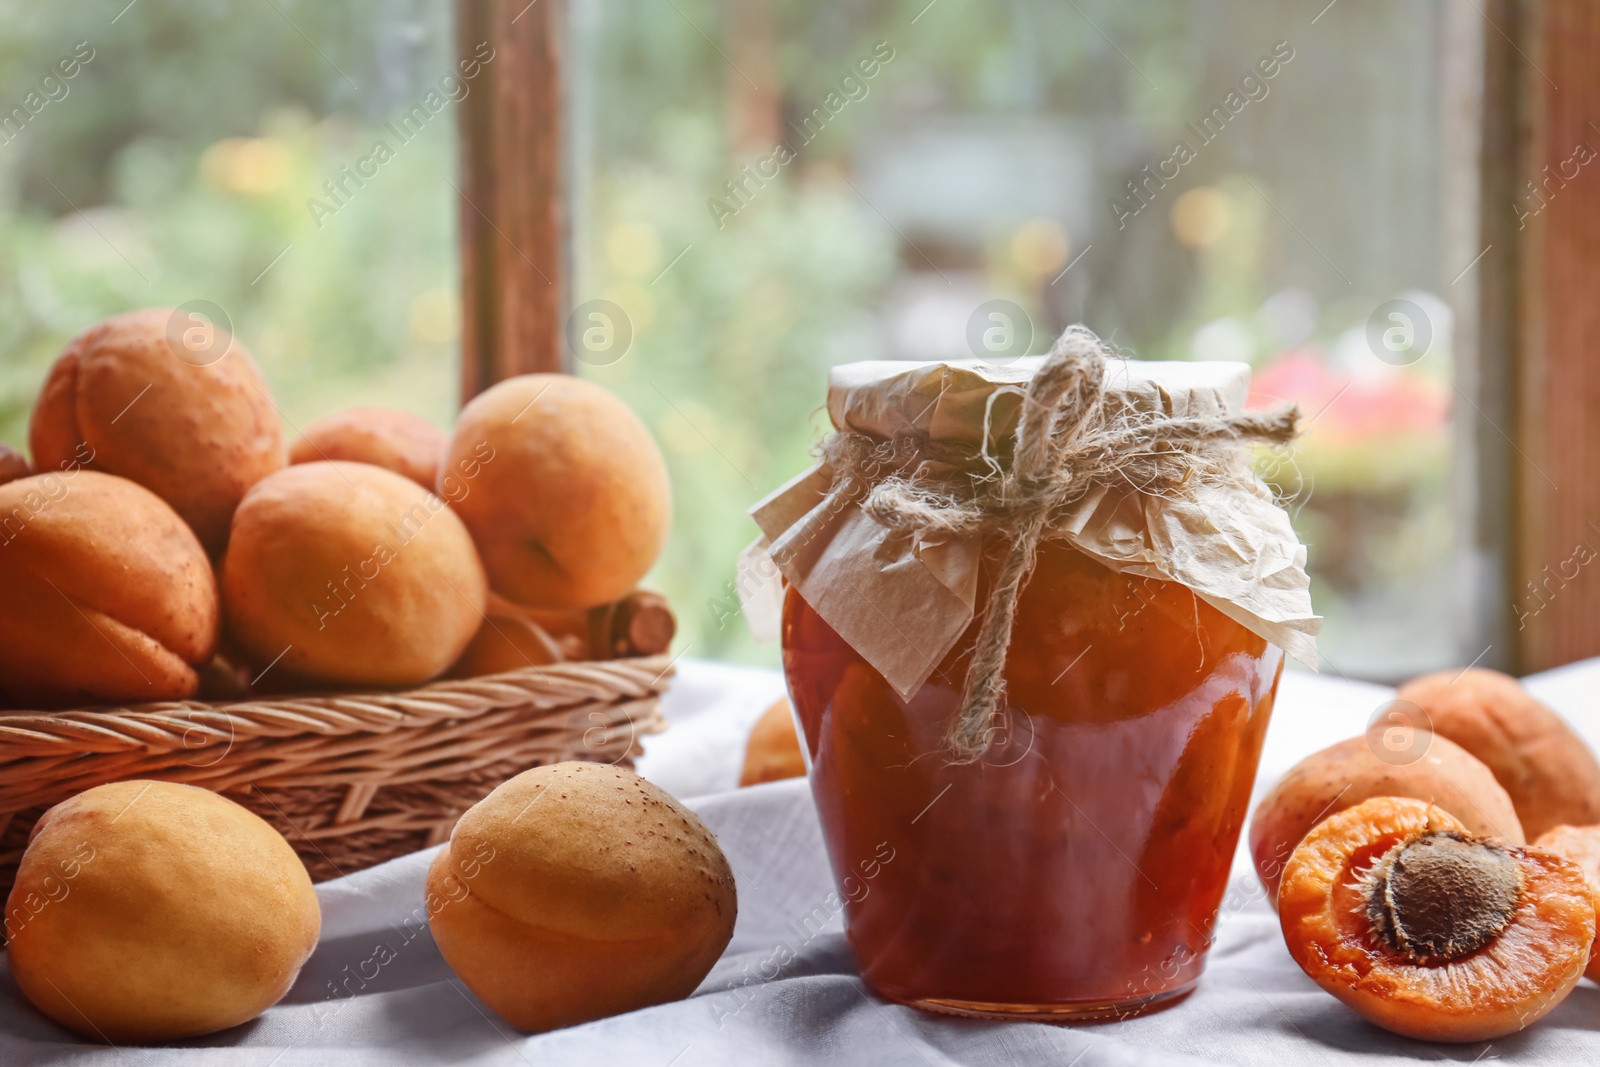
(350, 779)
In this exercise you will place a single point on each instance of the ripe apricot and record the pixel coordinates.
(512, 638)
(13, 465)
(348, 574)
(1581, 845)
(180, 409)
(576, 891)
(563, 488)
(398, 441)
(150, 911)
(107, 595)
(1550, 773)
(1341, 776)
(1430, 931)
(773, 751)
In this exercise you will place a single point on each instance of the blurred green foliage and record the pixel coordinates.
(177, 166)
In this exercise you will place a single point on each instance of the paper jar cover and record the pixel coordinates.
(903, 601)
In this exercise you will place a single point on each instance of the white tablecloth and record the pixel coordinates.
(1253, 1005)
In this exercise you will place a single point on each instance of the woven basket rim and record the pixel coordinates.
(328, 713)
(349, 778)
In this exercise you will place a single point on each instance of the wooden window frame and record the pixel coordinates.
(1528, 477)
(1520, 85)
(515, 247)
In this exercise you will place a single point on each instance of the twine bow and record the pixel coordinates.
(1066, 444)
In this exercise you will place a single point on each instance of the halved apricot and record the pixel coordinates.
(1429, 931)
(1581, 845)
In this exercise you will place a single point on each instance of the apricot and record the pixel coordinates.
(1551, 775)
(577, 891)
(1431, 931)
(108, 596)
(563, 488)
(349, 574)
(1580, 845)
(512, 638)
(180, 409)
(13, 465)
(151, 911)
(1351, 771)
(394, 440)
(773, 751)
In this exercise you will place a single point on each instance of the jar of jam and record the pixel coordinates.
(1072, 867)
(1077, 868)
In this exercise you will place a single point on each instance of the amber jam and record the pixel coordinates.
(1077, 869)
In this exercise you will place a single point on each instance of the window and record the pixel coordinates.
(770, 188)
(760, 190)
(203, 151)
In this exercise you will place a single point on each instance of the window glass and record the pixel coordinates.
(283, 165)
(773, 187)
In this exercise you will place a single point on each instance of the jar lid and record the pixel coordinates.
(951, 400)
(902, 601)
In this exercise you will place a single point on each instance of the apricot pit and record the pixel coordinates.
(1443, 896)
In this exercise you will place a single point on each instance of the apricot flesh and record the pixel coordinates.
(197, 427)
(563, 488)
(108, 596)
(349, 574)
(1580, 845)
(150, 911)
(1550, 774)
(395, 440)
(1506, 947)
(1342, 775)
(577, 891)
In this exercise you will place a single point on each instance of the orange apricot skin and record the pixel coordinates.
(563, 487)
(1550, 935)
(106, 595)
(399, 441)
(348, 574)
(1552, 776)
(773, 751)
(1342, 775)
(198, 432)
(13, 465)
(512, 637)
(1580, 845)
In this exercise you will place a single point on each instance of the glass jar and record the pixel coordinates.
(1076, 869)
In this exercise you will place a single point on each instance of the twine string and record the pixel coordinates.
(1069, 441)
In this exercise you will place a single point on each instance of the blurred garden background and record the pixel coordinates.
(1024, 151)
